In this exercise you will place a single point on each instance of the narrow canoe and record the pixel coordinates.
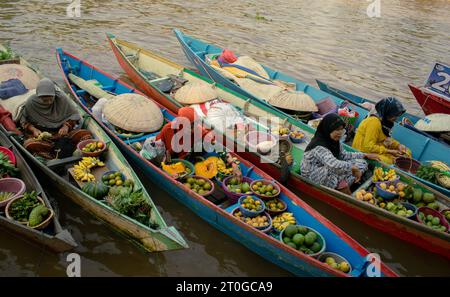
(216, 210)
(430, 103)
(155, 239)
(422, 147)
(53, 237)
(402, 228)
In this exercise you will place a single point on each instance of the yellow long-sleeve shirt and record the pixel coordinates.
(370, 138)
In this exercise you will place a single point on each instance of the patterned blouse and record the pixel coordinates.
(322, 167)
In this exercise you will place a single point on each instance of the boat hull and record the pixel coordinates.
(430, 103)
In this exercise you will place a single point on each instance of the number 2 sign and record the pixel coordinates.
(439, 80)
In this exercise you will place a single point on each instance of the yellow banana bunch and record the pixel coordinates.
(380, 175)
(91, 162)
(280, 222)
(83, 173)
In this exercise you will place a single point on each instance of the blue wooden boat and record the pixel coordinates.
(423, 148)
(218, 211)
(357, 99)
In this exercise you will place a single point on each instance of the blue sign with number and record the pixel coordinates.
(439, 80)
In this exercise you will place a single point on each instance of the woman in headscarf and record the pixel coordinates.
(325, 162)
(373, 134)
(49, 110)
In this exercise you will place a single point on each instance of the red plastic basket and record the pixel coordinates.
(9, 153)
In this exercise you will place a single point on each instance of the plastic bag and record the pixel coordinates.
(153, 150)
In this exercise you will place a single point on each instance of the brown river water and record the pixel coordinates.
(332, 40)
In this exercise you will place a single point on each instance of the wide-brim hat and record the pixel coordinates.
(436, 122)
(195, 93)
(293, 100)
(134, 113)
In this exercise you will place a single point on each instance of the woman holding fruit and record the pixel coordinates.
(373, 134)
(325, 162)
(48, 116)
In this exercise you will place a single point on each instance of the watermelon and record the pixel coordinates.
(98, 190)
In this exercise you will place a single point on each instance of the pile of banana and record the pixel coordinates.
(82, 170)
(379, 174)
(280, 222)
(222, 168)
(444, 177)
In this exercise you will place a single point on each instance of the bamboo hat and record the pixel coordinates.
(195, 93)
(436, 122)
(134, 113)
(296, 101)
(27, 76)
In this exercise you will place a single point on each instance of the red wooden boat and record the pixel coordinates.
(430, 103)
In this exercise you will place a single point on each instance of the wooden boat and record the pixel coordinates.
(159, 238)
(53, 237)
(430, 103)
(402, 228)
(357, 99)
(432, 141)
(422, 147)
(215, 209)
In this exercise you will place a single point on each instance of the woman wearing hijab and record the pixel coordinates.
(49, 110)
(325, 162)
(373, 134)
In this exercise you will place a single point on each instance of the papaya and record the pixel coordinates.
(38, 215)
(207, 168)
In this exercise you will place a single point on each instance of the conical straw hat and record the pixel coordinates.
(195, 92)
(27, 76)
(436, 122)
(134, 113)
(296, 101)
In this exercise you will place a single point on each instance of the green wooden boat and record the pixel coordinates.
(158, 237)
(53, 237)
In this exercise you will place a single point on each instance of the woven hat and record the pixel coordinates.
(436, 122)
(195, 92)
(296, 101)
(27, 76)
(134, 113)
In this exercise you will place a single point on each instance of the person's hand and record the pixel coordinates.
(63, 130)
(395, 153)
(237, 171)
(356, 173)
(289, 159)
(36, 132)
(374, 157)
(402, 148)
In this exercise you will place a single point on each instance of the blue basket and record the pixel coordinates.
(385, 194)
(319, 236)
(249, 213)
(412, 207)
(297, 140)
(110, 172)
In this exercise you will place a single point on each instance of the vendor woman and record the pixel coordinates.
(325, 162)
(175, 147)
(49, 110)
(373, 134)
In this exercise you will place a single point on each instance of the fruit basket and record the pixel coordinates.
(304, 239)
(265, 189)
(432, 219)
(251, 206)
(199, 184)
(262, 222)
(188, 168)
(275, 206)
(38, 215)
(114, 178)
(297, 137)
(336, 261)
(91, 147)
(230, 187)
